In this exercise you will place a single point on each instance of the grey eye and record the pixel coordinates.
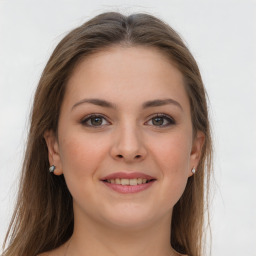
(94, 120)
(158, 120)
(161, 120)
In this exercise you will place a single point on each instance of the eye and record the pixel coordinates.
(94, 121)
(161, 120)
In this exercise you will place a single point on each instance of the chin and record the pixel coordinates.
(130, 219)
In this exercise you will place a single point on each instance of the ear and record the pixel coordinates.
(196, 150)
(53, 151)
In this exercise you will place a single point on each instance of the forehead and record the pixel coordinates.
(127, 59)
(120, 73)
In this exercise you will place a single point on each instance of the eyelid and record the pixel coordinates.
(171, 120)
(86, 118)
(168, 117)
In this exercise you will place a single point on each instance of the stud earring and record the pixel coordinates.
(52, 168)
(193, 170)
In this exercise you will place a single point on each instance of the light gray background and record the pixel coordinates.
(221, 36)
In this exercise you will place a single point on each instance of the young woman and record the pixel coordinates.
(119, 150)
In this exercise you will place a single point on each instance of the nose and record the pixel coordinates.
(128, 145)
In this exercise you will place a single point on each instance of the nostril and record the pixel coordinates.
(135, 157)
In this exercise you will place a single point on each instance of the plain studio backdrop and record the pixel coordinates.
(220, 34)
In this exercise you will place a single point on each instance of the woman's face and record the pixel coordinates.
(125, 111)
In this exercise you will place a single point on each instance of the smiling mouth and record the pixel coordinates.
(128, 182)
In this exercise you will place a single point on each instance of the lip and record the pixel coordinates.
(126, 175)
(125, 189)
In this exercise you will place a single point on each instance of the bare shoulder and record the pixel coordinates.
(50, 253)
(43, 254)
(60, 251)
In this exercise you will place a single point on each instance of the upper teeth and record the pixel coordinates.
(127, 181)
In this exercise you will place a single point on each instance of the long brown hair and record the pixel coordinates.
(38, 223)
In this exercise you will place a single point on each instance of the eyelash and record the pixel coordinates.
(169, 119)
(89, 117)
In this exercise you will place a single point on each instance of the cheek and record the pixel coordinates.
(173, 153)
(172, 156)
(81, 155)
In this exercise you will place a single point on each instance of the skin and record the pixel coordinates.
(127, 138)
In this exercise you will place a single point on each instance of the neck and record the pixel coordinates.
(94, 238)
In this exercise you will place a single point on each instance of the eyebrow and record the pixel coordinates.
(161, 102)
(98, 102)
(147, 104)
